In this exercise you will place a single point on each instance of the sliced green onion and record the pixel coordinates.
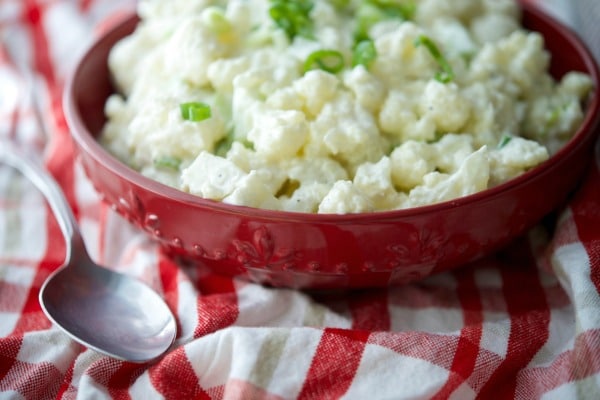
(371, 12)
(328, 60)
(446, 74)
(504, 140)
(167, 162)
(293, 17)
(195, 111)
(364, 53)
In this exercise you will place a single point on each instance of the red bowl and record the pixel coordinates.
(330, 251)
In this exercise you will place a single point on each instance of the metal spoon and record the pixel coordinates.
(104, 310)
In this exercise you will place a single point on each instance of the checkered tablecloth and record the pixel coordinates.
(524, 323)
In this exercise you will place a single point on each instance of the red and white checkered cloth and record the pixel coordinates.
(522, 324)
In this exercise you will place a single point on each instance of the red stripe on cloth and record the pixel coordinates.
(119, 383)
(334, 364)
(467, 349)
(586, 214)
(435, 348)
(529, 321)
(66, 383)
(116, 376)
(61, 152)
(33, 381)
(61, 159)
(9, 348)
(217, 304)
(33, 15)
(175, 378)
(370, 311)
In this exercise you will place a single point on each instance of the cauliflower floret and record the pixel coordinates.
(244, 108)
(279, 134)
(190, 51)
(375, 180)
(273, 175)
(399, 119)
(344, 198)
(305, 198)
(454, 37)
(471, 177)
(490, 28)
(244, 157)
(319, 169)
(251, 87)
(374, 177)
(576, 84)
(222, 72)
(137, 56)
(410, 162)
(451, 151)
(516, 156)
(348, 132)
(253, 190)
(399, 60)
(444, 104)
(268, 72)
(171, 87)
(520, 58)
(493, 114)
(245, 16)
(316, 88)
(160, 131)
(552, 120)
(368, 91)
(285, 99)
(309, 180)
(211, 177)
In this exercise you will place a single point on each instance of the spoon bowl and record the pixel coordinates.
(102, 309)
(105, 312)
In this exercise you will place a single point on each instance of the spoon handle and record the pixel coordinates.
(46, 184)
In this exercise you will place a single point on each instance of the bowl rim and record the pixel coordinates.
(86, 140)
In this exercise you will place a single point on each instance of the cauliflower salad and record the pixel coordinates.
(336, 106)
